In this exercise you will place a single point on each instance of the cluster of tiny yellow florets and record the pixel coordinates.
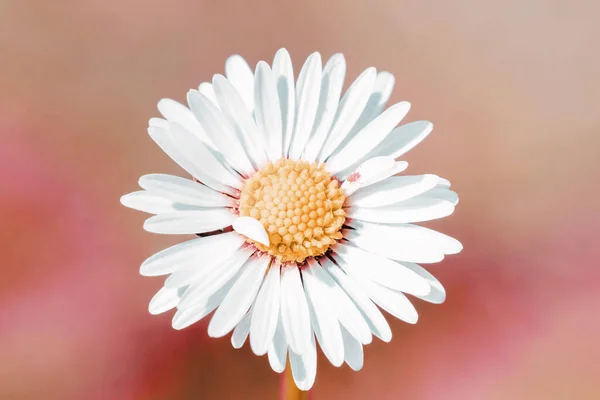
(300, 206)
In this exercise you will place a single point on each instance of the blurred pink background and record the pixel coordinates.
(513, 89)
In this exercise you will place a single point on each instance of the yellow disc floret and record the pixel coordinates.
(300, 206)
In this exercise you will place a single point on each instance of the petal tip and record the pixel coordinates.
(252, 229)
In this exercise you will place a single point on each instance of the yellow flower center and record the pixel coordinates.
(300, 206)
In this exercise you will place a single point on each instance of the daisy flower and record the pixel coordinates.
(305, 230)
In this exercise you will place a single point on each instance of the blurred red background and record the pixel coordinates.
(513, 90)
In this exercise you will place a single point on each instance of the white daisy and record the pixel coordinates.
(304, 226)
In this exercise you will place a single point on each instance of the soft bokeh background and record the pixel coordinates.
(513, 88)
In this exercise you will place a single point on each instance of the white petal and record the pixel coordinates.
(240, 297)
(278, 349)
(391, 301)
(240, 117)
(241, 77)
(190, 222)
(184, 191)
(159, 123)
(402, 139)
(294, 310)
(443, 183)
(416, 209)
(400, 243)
(401, 233)
(162, 137)
(216, 278)
(206, 88)
(165, 299)
(382, 90)
(372, 171)
(331, 88)
(308, 89)
(180, 114)
(266, 313)
(217, 250)
(251, 228)
(166, 261)
(304, 366)
(393, 190)
(358, 262)
(347, 313)
(153, 203)
(267, 112)
(353, 351)
(438, 293)
(241, 331)
(441, 193)
(373, 316)
(367, 138)
(283, 73)
(222, 134)
(213, 170)
(349, 110)
(324, 313)
(186, 317)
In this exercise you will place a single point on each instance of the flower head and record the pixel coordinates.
(305, 227)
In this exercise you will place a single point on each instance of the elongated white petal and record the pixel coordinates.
(372, 171)
(331, 88)
(353, 351)
(223, 135)
(240, 297)
(324, 313)
(153, 203)
(240, 117)
(402, 139)
(347, 313)
(165, 299)
(349, 110)
(206, 88)
(266, 313)
(391, 301)
(267, 112)
(373, 316)
(410, 247)
(190, 222)
(403, 234)
(220, 249)
(241, 77)
(241, 331)
(304, 366)
(251, 228)
(416, 209)
(184, 191)
(393, 190)
(166, 261)
(213, 169)
(278, 349)
(438, 293)
(294, 310)
(358, 262)
(441, 193)
(308, 89)
(216, 278)
(159, 123)
(382, 90)
(188, 316)
(283, 73)
(443, 183)
(180, 114)
(162, 137)
(367, 138)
